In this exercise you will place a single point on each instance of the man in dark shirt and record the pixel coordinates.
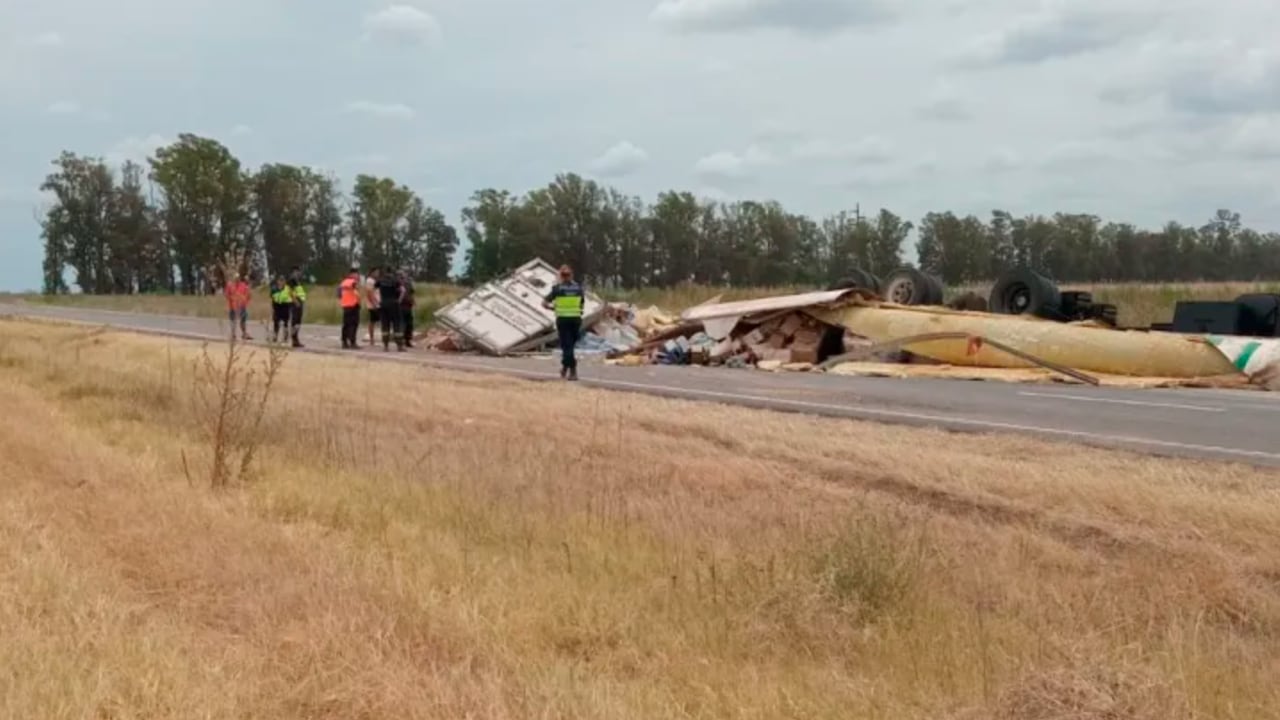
(406, 307)
(568, 300)
(391, 294)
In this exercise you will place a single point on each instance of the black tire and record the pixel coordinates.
(1104, 313)
(859, 279)
(1264, 311)
(939, 290)
(1075, 305)
(909, 286)
(1023, 291)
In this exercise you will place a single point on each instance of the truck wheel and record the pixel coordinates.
(1264, 313)
(1023, 291)
(909, 286)
(857, 278)
(1075, 305)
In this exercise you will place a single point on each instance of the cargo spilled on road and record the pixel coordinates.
(1033, 333)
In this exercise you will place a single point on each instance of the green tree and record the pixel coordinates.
(140, 260)
(377, 221)
(325, 229)
(77, 228)
(205, 209)
(281, 201)
(884, 253)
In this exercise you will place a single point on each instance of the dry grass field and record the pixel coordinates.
(1139, 304)
(413, 543)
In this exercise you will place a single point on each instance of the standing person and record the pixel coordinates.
(406, 307)
(238, 296)
(568, 299)
(298, 293)
(391, 293)
(281, 307)
(349, 299)
(373, 299)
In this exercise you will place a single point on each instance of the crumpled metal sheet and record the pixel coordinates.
(506, 315)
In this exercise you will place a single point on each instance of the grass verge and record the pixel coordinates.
(423, 544)
(1139, 304)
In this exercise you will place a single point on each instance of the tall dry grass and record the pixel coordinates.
(1139, 304)
(422, 544)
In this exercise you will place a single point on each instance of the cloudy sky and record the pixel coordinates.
(1142, 110)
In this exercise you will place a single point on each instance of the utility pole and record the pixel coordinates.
(857, 213)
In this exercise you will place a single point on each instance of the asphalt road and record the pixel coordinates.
(1231, 425)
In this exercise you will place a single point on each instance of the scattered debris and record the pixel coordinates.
(851, 330)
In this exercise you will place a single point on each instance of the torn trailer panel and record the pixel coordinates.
(506, 315)
(778, 304)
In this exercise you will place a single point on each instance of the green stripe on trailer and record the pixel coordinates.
(1242, 360)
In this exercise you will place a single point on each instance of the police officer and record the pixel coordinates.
(299, 294)
(567, 299)
(281, 307)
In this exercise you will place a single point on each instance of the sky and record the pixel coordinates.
(1136, 110)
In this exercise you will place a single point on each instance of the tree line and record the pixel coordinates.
(195, 210)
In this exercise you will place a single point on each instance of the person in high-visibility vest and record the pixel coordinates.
(281, 307)
(299, 294)
(349, 299)
(568, 299)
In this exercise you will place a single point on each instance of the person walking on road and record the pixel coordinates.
(349, 299)
(568, 299)
(373, 300)
(391, 294)
(298, 293)
(281, 307)
(238, 296)
(406, 307)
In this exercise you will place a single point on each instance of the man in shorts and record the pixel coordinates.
(238, 295)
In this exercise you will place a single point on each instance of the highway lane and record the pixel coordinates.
(1237, 426)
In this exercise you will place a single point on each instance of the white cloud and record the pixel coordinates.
(1256, 137)
(241, 130)
(871, 149)
(815, 16)
(619, 160)
(726, 165)
(1001, 160)
(48, 39)
(403, 24)
(390, 111)
(713, 194)
(944, 103)
(1232, 81)
(135, 148)
(63, 107)
(1058, 30)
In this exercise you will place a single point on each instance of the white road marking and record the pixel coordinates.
(845, 410)
(1118, 401)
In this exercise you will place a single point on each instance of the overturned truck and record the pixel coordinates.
(506, 316)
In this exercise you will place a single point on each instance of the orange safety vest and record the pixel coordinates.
(350, 296)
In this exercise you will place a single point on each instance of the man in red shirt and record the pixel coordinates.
(238, 295)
